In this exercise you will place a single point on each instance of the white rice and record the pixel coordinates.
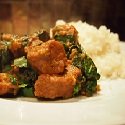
(103, 47)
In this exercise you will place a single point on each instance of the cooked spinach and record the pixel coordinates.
(77, 61)
(27, 76)
(13, 79)
(88, 81)
(90, 87)
(77, 89)
(43, 36)
(69, 43)
(20, 62)
(89, 72)
(90, 69)
(65, 38)
(5, 56)
(27, 92)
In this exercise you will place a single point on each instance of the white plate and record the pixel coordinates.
(108, 107)
(105, 108)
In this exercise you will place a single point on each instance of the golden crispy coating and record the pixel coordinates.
(48, 57)
(53, 86)
(6, 87)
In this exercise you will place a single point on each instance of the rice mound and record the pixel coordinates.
(103, 47)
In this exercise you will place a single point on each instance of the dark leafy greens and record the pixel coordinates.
(87, 82)
(89, 71)
(69, 43)
(5, 55)
(27, 92)
(13, 79)
(65, 38)
(26, 76)
(43, 35)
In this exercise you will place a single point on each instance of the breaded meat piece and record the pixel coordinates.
(53, 86)
(6, 87)
(16, 44)
(65, 30)
(48, 58)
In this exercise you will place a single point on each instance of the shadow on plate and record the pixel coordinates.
(58, 100)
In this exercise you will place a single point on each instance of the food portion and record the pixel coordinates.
(53, 86)
(46, 66)
(48, 58)
(7, 86)
(103, 46)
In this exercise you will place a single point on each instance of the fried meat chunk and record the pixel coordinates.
(53, 86)
(48, 58)
(6, 87)
(65, 30)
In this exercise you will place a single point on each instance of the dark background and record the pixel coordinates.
(26, 16)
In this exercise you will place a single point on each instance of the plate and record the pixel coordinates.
(106, 107)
